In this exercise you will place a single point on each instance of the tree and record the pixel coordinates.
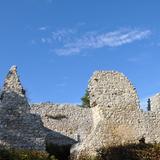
(149, 105)
(85, 100)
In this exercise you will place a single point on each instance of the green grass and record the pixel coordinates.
(128, 152)
(12, 154)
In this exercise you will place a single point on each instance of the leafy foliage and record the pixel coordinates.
(85, 100)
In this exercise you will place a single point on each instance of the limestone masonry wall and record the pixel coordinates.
(114, 118)
(18, 127)
(72, 121)
(155, 102)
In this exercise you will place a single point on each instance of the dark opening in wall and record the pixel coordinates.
(61, 152)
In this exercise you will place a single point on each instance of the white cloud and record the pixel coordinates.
(43, 28)
(65, 42)
(67, 51)
(43, 40)
(63, 34)
(94, 40)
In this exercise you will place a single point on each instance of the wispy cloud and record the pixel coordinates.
(94, 40)
(43, 28)
(73, 41)
(63, 35)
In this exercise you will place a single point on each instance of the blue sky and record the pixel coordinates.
(58, 44)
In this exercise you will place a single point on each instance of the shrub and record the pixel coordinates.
(85, 99)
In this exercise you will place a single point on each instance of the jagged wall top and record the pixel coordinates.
(13, 95)
(112, 89)
(155, 102)
(12, 82)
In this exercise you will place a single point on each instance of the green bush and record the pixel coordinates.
(85, 100)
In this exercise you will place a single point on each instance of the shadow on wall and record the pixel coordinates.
(139, 151)
(23, 130)
(58, 144)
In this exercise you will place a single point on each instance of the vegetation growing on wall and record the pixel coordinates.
(85, 100)
(12, 154)
(128, 152)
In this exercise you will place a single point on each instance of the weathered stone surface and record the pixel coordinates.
(114, 117)
(72, 121)
(18, 127)
(70, 124)
(13, 95)
(151, 123)
(117, 118)
(112, 89)
(155, 102)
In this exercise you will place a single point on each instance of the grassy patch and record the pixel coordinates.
(131, 152)
(127, 152)
(13, 154)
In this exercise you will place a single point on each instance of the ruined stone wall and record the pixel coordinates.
(155, 102)
(71, 121)
(32, 126)
(114, 117)
(18, 127)
(117, 118)
(152, 126)
(111, 89)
